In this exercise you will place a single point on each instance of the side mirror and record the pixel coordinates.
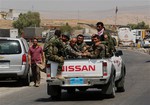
(118, 53)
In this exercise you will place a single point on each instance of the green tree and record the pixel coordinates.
(132, 26)
(78, 27)
(29, 19)
(66, 28)
(140, 25)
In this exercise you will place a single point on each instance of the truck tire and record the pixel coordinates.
(109, 89)
(120, 82)
(54, 92)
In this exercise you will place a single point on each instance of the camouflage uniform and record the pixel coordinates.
(54, 49)
(81, 47)
(72, 52)
(97, 51)
(109, 43)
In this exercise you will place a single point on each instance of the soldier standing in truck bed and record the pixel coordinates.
(105, 38)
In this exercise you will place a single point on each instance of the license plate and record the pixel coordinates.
(76, 81)
(4, 65)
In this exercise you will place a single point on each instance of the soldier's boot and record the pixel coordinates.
(60, 77)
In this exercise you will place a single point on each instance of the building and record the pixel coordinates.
(3, 15)
(10, 15)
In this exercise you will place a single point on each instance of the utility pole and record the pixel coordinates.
(116, 11)
(32, 8)
(78, 15)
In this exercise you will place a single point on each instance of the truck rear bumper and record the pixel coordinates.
(86, 82)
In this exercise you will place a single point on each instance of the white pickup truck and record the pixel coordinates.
(106, 74)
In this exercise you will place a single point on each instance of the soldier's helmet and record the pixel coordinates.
(67, 35)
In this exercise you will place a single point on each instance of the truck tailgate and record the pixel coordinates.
(79, 68)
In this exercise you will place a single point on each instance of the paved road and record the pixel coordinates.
(137, 89)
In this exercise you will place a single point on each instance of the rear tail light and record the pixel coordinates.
(24, 59)
(48, 75)
(104, 68)
(48, 70)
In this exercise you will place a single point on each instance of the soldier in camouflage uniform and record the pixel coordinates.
(109, 42)
(72, 51)
(81, 45)
(97, 50)
(105, 38)
(54, 49)
(65, 38)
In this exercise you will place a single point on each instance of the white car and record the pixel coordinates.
(146, 43)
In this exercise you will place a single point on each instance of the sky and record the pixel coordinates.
(75, 6)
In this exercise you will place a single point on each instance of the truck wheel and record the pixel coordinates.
(120, 83)
(54, 92)
(109, 89)
(112, 88)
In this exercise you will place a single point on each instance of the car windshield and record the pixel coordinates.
(10, 47)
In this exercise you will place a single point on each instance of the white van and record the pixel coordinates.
(14, 59)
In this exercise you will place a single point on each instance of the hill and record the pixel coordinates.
(122, 19)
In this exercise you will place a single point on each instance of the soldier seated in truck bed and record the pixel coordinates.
(72, 51)
(97, 50)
